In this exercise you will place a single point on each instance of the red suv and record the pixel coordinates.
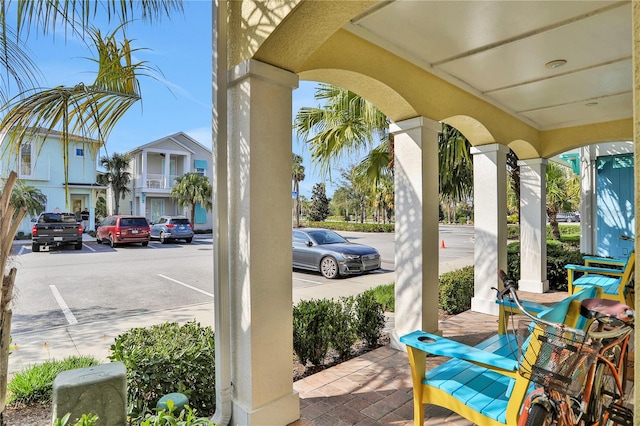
(123, 229)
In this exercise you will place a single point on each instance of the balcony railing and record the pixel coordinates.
(156, 181)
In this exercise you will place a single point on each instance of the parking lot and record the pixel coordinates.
(65, 286)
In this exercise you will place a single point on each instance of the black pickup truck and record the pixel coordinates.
(56, 229)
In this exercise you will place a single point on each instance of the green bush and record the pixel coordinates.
(369, 318)
(35, 384)
(322, 324)
(512, 218)
(513, 232)
(167, 358)
(456, 290)
(312, 330)
(385, 295)
(342, 331)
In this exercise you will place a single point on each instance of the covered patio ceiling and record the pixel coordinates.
(551, 64)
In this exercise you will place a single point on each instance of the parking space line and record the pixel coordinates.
(307, 281)
(71, 319)
(186, 285)
(89, 247)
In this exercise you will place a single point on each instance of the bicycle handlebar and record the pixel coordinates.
(510, 289)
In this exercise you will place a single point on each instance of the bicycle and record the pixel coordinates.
(581, 373)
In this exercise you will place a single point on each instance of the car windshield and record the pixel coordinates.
(182, 221)
(326, 237)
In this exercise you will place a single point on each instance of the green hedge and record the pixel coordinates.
(456, 290)
(167, 358)
(319, 325)
(353, 226)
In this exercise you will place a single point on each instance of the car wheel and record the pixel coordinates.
(35, 247)
(79, 246)
(329, 267)
(188, 240)
(111, 242)
(163, 240)
(146, 243)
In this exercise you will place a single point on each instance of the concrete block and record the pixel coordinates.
(99, 390)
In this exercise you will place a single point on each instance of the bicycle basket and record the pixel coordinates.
(555, 359)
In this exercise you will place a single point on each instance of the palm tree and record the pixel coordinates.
(28, 197)
(456, 168)
(563, 194)
(192, 189)
(117, 176)
(83, 109)
(91, 110)
(297, 176)
(346, 124)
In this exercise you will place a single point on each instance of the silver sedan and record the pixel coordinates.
(325, 251)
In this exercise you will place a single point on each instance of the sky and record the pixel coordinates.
(179, 98)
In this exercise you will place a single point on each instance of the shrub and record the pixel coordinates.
(35, 384)
(353, 226)
(167, 358)
(312, 330)
(513, 232)
(455, 290)
(369, 318)
(385, 295)
(342, 332)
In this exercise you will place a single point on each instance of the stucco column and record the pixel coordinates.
(259, 179)
(635, 34)
(533, 222)
(588, 215)
(490, 212)
(416, 189)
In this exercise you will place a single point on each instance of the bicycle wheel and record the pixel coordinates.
(540, 416)
(604, 390)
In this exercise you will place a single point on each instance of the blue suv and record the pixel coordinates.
(168, 228)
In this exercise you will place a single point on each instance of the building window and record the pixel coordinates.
(79, 152)
(26, 166)
(200, 166)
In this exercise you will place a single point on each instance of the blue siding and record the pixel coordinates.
(615, 205)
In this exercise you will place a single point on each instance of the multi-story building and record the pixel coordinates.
(154, 168)
(39, 163)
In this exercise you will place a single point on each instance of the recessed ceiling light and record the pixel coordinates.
(555, 64)
(590, 104)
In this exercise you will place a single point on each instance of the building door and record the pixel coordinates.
(157, 208)
(77, 204)
(615, 209)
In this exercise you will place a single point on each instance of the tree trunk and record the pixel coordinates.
(193, 215)
(9, 222)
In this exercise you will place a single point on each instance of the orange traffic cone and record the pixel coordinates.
(442, 244)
